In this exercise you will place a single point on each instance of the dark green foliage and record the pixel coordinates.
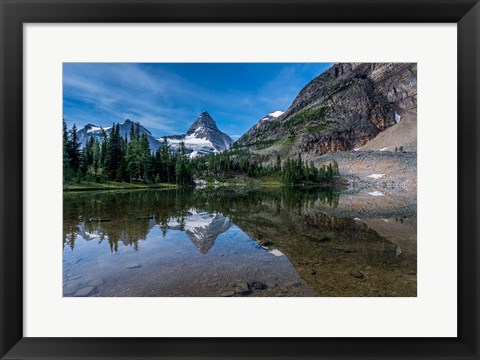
(114, 153)
(317, 128)
(115, 158)
(95, 157)
(73, 149)
(67, 170)
(138, 159)
(284, 141)
(235, 162)
(268, 143)
(163, 164)
(303, 172)
(310, 114)
(183, 168)
(278, 164)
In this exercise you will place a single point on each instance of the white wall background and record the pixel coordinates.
(432, 313)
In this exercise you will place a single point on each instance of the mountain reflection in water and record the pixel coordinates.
(282, 242)
(202, 228)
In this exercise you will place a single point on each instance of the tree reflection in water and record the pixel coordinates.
(336, 255)
(127, 217)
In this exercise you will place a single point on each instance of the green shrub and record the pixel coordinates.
(306, 115)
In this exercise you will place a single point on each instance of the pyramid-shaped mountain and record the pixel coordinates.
(203, 137)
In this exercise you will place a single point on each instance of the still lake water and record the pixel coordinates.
(276, 242)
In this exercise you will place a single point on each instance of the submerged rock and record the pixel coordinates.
(242, 288)
(357, 274)
(258, 285)
(71, 286)
(96, 282)
(74, 277)
(133, 266)
(85, 291)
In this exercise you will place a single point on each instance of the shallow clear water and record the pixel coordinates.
(281, 242)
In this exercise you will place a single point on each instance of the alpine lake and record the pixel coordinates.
(271, 242)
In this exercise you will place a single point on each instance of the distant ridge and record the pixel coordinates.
(203, 137)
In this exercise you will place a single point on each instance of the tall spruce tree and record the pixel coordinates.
(67, 170)
(74, 152)
(96, 157)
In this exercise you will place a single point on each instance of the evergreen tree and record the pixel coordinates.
(103, 150)
(165, 161)
(122, 172)
(96, 157)
(83, 164)
(73, 149)
(67, 170)
(88, 157)
(336, 171)
(145, 157)
(129, 158)
(132, 159)
(183, 167)
(278, 164)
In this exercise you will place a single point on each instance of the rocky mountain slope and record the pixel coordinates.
(402, 135)
(262, 125)
(377, 174)
(203, 136)
(341, 110)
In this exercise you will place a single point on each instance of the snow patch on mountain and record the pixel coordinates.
(376, 176)
(276, 252)
(263, 123)
(202, 138)
(95, 128)
(276, 113)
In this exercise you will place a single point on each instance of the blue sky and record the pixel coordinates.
(167, 98)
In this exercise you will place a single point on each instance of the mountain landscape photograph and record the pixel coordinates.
(239, 180)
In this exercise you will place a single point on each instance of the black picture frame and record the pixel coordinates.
(14, 13)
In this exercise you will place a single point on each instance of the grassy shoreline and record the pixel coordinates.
(232, 183)
(112, 185)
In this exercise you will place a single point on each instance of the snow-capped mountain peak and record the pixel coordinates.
(90, 130)
(203, 124)
(203, 137)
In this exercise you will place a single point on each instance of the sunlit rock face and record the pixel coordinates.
(339, 110)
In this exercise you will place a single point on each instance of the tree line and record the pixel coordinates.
(130, 159)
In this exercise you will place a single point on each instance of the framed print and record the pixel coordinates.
(238, 179)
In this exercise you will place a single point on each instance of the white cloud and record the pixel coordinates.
(165, 102)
